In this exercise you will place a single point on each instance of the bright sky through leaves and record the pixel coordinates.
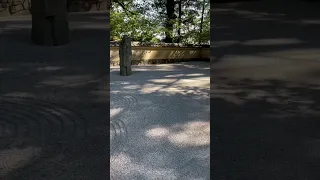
(146, 21)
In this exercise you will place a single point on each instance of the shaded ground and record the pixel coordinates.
(54, 124)
(265, 90)
(165, 112)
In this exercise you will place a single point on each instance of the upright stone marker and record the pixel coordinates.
(125, 56)
(49, 22)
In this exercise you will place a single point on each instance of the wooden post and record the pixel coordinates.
(49, 22)
(125, 56)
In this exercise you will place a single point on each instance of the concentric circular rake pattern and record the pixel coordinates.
(27, 120)
(122, 101)
(118, 135)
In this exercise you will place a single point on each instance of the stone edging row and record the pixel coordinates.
(157, 61)
(148, 44)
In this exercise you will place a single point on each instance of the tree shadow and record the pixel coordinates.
(265, 90)
(240, 28)
(159, 109)
(265, 126)
(45, 93)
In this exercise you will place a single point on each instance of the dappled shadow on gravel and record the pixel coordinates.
(265, 90)
(264, 28)
(52, 125)
(265, 129)
(165, 111)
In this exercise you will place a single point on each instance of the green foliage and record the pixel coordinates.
(148, 21)
(131, 21)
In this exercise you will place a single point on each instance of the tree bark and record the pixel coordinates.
(201, 23)
(169, 21)
(179, 21)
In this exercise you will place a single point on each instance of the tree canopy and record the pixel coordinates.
(176, 21)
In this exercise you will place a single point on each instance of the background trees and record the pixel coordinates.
(178, 21)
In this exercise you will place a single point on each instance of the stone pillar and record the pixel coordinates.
(125, 56)
(49, 22)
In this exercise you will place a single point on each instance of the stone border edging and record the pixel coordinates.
(158, 61)
(148, 44)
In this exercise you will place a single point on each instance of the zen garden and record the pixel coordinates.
(159, 89)
(57, 87)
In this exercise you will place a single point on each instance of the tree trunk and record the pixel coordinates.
(201, 23)
(169, 21)
(179, 28)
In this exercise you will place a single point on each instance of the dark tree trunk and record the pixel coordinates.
(169, 21)
(179, 28)
(201, 23)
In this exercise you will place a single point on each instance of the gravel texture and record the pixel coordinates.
(164, 111)
(54, 102)
(265, 90)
